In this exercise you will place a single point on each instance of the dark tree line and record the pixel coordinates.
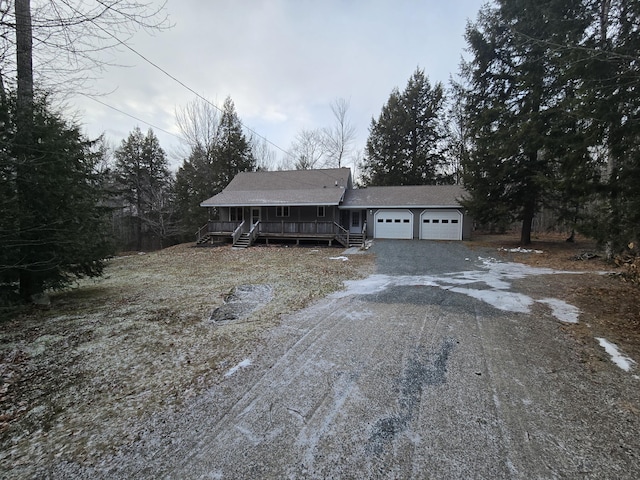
(150, 206)
(552, 112)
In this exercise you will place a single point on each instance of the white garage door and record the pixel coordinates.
(441, 225)
(393, 224)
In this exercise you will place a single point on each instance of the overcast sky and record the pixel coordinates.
(282, 62)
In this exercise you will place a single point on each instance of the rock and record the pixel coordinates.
(41, 299)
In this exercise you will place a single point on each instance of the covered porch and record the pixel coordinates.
(244, 234)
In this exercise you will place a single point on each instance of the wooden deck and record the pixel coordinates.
(283, 230)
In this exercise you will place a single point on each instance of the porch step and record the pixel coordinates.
(204, 239)
(356, 240)
(243, 241)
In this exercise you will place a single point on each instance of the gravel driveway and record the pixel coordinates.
(444, 364)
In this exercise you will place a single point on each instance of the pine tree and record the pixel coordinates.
(52, 227)
(233, 154)
(519, 93)
(405, 145)
(211, 165)
(144, 182)
(194, 183)
(610, 70)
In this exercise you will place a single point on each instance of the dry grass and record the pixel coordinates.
(609, 303)
(114, 350)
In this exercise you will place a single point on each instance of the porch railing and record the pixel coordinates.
(342, 235)
(237, 233)
(254, 232)
(216, 226)
(297, 228)
(281, 228)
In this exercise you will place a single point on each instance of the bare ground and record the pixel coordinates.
(609, 303)
(113, 351)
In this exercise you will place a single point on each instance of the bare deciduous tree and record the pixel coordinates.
(338, 139)
(199, 124)
(307, 150)
(72, 39)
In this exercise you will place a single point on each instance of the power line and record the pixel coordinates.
(132, 116)
(181, 83)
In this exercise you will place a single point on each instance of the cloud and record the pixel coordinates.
(281, 61)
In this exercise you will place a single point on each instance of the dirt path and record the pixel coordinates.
(442, 365)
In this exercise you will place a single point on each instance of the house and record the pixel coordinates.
(323, 205)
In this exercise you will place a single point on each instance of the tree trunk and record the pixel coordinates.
(24, 62)
(24, 133)
(527, 221)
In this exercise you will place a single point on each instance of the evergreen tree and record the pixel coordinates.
(194, 183)
(610, 73)
(405, 144)
(144, 183)
(211, 165)
(233, 153)
(52, 227)
(524, 144)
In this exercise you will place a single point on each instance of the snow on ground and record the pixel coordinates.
(519, 250)
(495, 275)
(562, 310)
(625, 363)
(342, 257)
(243, 364)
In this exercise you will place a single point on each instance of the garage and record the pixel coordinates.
(441, 225)
(393, 224)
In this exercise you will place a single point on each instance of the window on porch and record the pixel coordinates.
(282, 211)
(235, 214)
(322, 211)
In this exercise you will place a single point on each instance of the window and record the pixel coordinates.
(282, 211)
(436, 220)
(406, 220)
(235, 214)
(425, 220)
(322, 212)
(389, 220)
(445, 221)
(454, 221)
(380, 220)
(397, 220)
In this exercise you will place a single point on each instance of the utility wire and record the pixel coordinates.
(132, 116)
(175, 79)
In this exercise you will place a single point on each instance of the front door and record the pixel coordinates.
(255, 215)
(355, 225)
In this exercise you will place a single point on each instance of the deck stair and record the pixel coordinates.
(356, 240)
(243, 241)
(206, 238)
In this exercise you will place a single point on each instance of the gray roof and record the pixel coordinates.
(291, 187)
(422, 196)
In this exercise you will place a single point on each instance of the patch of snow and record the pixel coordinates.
(562, 310)
(519, 250)
(495, 275)
(342, 257)
(500, 299)
(625, 363)
(243, 364)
